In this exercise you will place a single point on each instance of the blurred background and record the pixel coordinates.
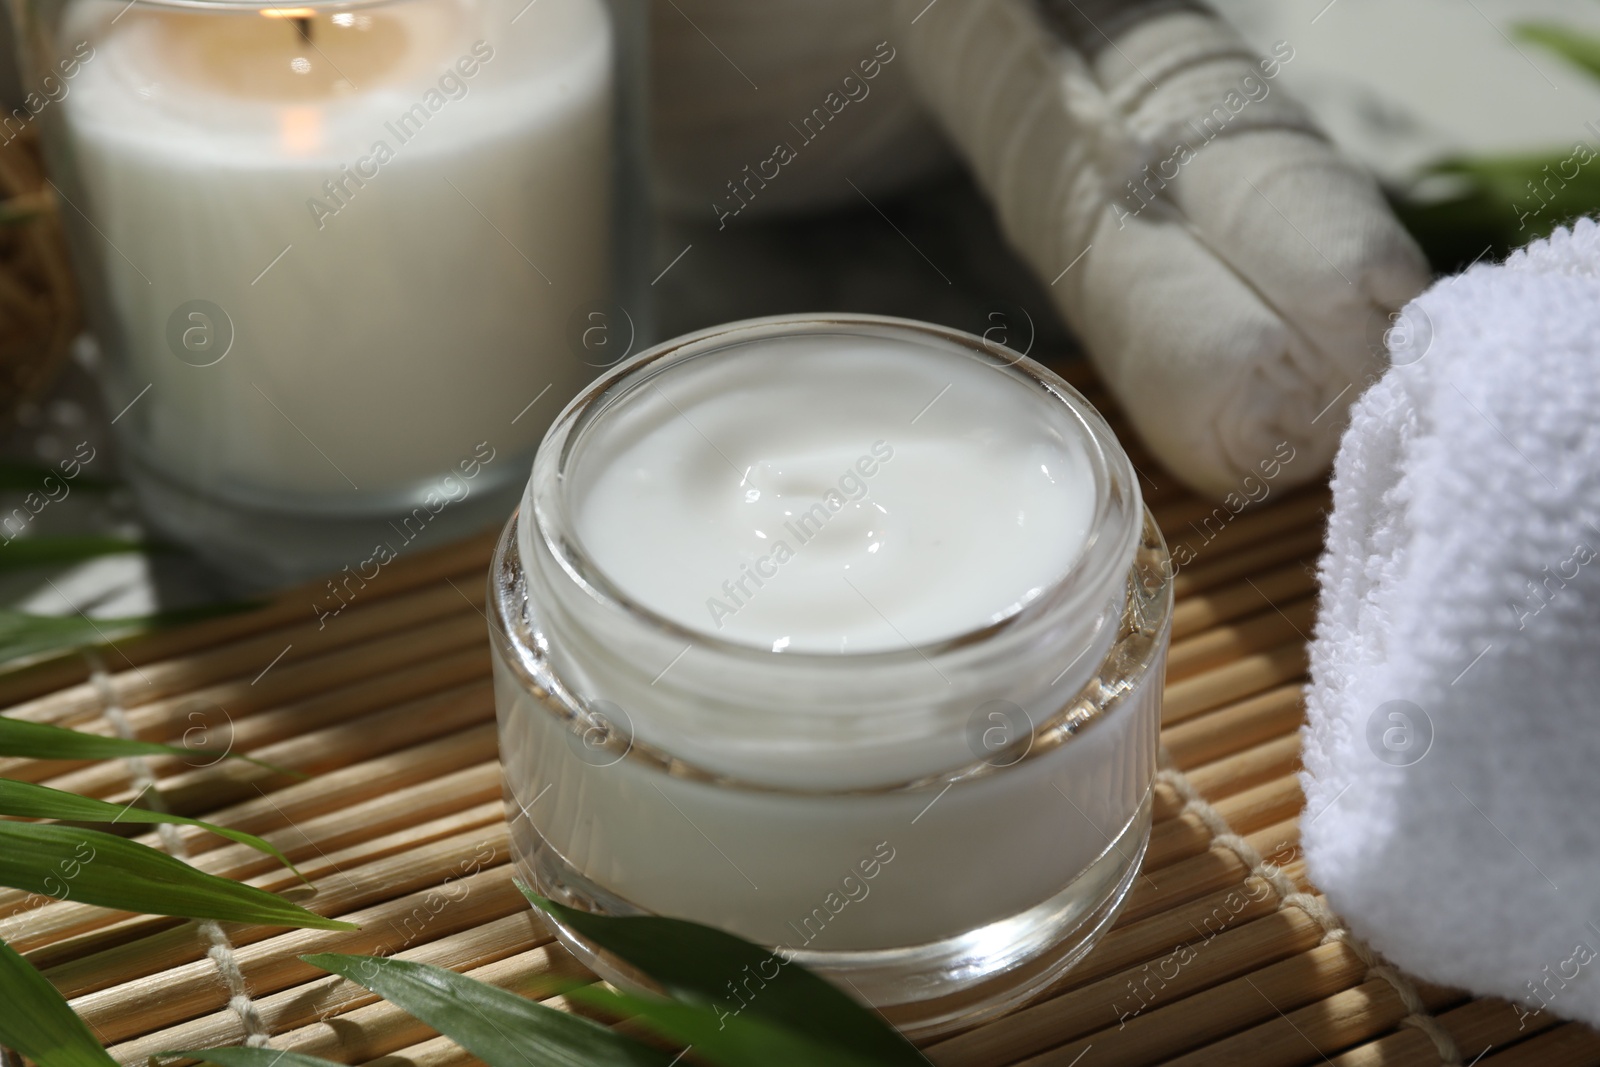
(1480, 117)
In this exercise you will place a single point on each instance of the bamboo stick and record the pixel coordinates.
(1128, 945)
(121, 1012)
(1243, 677)
(1438, 998)
(1476, 1027)
(314, 752)
(1269, 808)
(142, 941)
(1201, 610)
(1279, 844)
(1209, 570)
(338, 1020)
(115, 955)
(1134, 1025)
(354, 821)
(1176, 512)
(288, 608)
(1156, 486)
(1199, 520)
(227, 726)
(1176, 839)
(1284, 1040)
(1220, 532)
(1273, 627)
(244, 660)
(359, 823)
(435, 1052)
(1268, 804)
(1568, 1045)
(1216, 868)
(172, 717)
(1294, 869)
(1406, 1047)
(1235, 727)
(1220, 1008)
(1266, 761)
(1228, 561)
(335, 887)
(61, 671)
(438, 668)
(361, 781)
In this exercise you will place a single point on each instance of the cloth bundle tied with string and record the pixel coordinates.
(1229, 273)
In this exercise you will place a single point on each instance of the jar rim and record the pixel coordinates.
(1145, 620)
(1114, 529)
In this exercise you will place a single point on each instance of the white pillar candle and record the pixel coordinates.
(397, 207)
(850, 596)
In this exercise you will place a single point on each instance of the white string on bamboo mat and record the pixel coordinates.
(1290, 895)
(220, 949)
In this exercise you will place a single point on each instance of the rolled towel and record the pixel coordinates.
(1228, 271)
(1453, 732)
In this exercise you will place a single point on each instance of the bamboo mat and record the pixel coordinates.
(1223, 955)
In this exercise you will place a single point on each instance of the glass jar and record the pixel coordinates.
(941, 842)
(343, 261)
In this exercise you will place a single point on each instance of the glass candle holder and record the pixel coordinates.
(343, 261)
(912, 749)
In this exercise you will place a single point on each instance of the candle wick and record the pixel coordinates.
(303, 27)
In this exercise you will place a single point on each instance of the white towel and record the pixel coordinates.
(1453, 748)
(1242, 307)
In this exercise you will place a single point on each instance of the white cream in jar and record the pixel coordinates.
(792, 601)
(802, 498)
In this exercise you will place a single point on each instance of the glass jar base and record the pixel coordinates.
(927, 990)
(256, 549)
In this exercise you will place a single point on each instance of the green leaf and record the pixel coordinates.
(14, 475)
(41, 551)
(38, 740)
(30, 801)
(37, 1022)
(1574, 46)
(697, 963)
(495, 1025)
(70, 863)
(15, 216)
(23, 635)
(252, 1057)
(721, 1036)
